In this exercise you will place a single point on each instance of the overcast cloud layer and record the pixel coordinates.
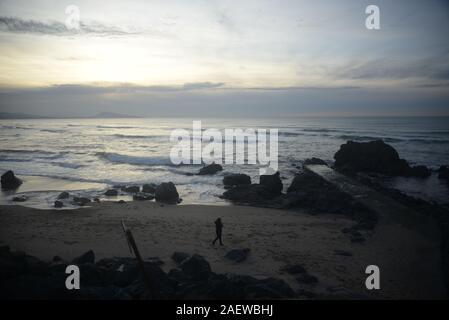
(248, 58)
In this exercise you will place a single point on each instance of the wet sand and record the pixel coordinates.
(409, 263)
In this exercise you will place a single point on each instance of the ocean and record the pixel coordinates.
(90, 155)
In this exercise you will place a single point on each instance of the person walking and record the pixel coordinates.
(218, 229)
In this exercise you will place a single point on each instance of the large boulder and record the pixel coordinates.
(9, 181)
(166, 192)
(196, 267)
(254, 194)
(272, 183)
(236, 179)
(420, 172)
(212, 168)
(374, 156)
(179, 257)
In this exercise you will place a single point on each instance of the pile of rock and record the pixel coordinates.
(26, 277)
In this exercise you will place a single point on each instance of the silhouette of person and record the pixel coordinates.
(218, 229)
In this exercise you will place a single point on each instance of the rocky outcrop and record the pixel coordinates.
(166, 192)
(111, 193)
(21, 198)
(375, 157)
(131, 189)
(149, 188)
(9, 181)
(236, 179)
(80, 201)
(210, 169)
(25, 277)
(58, 204)
(272, 183)
(63, 195)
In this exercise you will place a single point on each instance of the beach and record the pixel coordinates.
(410, 264)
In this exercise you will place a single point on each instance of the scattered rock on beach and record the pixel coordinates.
(88, 257)
(21, 198)
(58, 204)
(9, 181)
(149, 188)
(179, 257)
(238, 255)
(131, 189)
(210, 169)
(236, 179)
(63, 195)
(111, 193)
(166, 192)
(272, 182)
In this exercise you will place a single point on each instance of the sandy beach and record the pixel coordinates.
(408, 262)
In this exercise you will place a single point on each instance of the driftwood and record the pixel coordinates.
(134, 250)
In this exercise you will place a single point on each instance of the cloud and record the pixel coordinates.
(56, 28)
(434, 68)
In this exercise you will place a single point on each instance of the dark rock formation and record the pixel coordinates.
(26, 277)
(21, 198)
(179, 257)
(9, 181)
(210, 169)
(236, 179)
(373, 156)
(238, 255)
(131, 189)
(63, 195)
(149, 188)
(58, 204)
(273, 183)
(111, 193)
(166, 192)
(306, 279)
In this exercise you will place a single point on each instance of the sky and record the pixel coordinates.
(225, 58)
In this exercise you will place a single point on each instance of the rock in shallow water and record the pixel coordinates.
(166, 192)
(236, 179)
(210, 169)
(9, 181)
